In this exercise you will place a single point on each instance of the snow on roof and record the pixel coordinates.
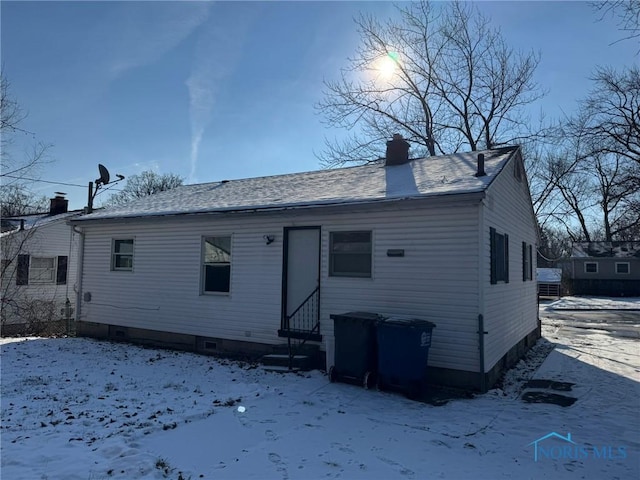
(606, 249)
(36, 220)
(443, 175)
(549, 275)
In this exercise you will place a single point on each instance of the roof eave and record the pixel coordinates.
(449, 197)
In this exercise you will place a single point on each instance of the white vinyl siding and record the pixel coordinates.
(510, 309)
(435, 280)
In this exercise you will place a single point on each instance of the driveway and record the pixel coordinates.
(622, 322)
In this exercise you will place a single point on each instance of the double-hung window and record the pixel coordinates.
(591, 267)
(122, 254)
(216, 264)
(350, 254)
(623, 268)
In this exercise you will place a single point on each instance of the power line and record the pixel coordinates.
(47, 181)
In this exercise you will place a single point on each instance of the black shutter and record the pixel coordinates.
(61, 272)
(525, 267)
(22, 275)
(506, 258)
(530, 262)
(492, 242)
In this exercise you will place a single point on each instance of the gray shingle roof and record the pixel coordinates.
(443, 175)
(606, 249)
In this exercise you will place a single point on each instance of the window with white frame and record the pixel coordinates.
(216, 264)
(623, 268)
(350, 254)
(42, 270)
(591, 267)
(122, 255)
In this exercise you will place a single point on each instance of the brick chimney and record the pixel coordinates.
(397, 150)
(481, 172)
(58, 204)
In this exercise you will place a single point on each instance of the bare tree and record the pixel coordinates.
(16, 200)
(593, 169)
(146, 183)
(13, 169)
(441, 75)
(625, 12)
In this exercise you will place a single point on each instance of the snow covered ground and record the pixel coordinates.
(76, 408)
(596, 303)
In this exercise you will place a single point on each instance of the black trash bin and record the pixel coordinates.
(355, 357)
(403, 352)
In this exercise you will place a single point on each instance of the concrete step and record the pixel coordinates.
(300, 362)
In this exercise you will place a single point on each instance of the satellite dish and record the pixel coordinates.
(104, 174)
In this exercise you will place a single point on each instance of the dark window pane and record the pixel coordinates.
(61, 273)
(124, 262)
(217, 278)
(350, 254)
(123, 246)
(352, 265)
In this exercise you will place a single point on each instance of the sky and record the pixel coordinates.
(224, 90)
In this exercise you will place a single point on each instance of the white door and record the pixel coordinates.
(302, 278)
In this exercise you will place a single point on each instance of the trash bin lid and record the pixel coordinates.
(408, 321)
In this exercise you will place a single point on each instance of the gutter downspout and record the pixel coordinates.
(79, 275)
(481, 299)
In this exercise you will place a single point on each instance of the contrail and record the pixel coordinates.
(217, 52)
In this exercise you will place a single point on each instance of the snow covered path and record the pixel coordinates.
(82, 409)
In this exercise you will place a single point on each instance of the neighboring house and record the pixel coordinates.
(606, 268)
(240, 265)
(549, 282)
(39, 265)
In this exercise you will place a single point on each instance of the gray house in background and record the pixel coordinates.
(606, 268)
(241, 266)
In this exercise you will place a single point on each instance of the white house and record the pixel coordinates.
(240, 265)
(39, 266)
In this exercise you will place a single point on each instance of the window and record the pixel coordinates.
(591, 267)
(350, 254)
(41, 270)
(122, 255)
(499, 256)
(527, 262)
(623, 267)
(216, 264)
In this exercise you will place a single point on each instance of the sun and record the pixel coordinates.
(387, 65)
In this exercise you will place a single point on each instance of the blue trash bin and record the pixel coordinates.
(403, 353)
